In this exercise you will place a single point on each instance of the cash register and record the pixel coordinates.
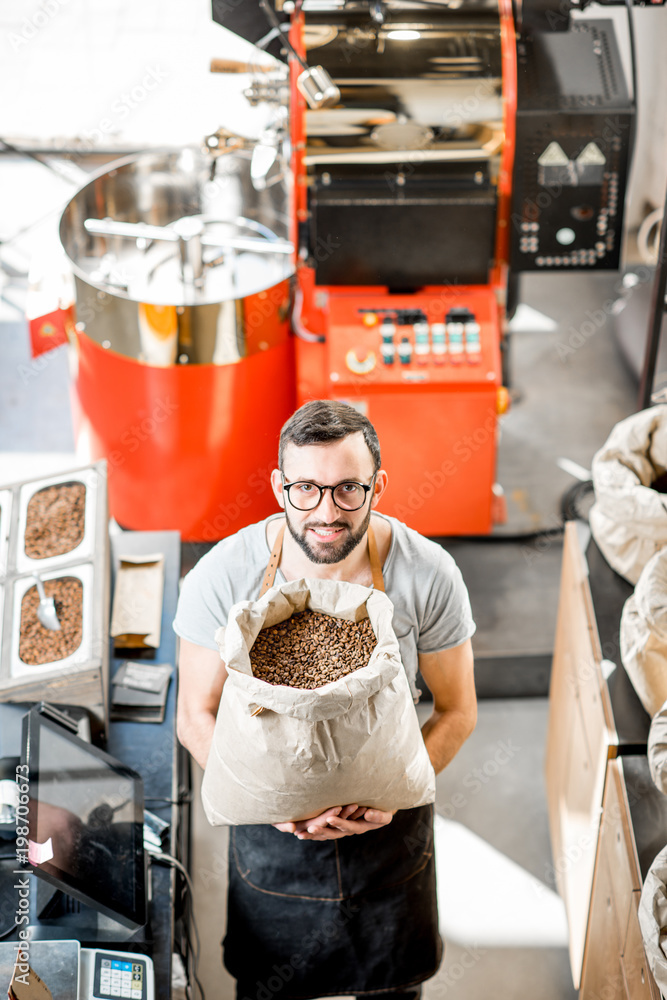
(63, 970)
(84, 865)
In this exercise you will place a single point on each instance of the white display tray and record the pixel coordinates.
(5, 525)
(84, 550)
(82, 656)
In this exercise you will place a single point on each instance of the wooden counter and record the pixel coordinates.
(607, 819)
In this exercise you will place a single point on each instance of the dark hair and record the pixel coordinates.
(325, 420)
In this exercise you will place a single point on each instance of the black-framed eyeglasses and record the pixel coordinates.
(346, 495)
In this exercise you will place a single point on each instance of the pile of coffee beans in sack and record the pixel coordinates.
(311, 649)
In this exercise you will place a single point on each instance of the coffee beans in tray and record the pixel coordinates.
(55, 520)
(311, 649)
(40, 645)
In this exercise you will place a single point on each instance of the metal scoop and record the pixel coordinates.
(46, 611)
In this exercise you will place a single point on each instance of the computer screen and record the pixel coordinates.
(85, 819)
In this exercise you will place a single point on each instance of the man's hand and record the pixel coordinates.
(337, 822)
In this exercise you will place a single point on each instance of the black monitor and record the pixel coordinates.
(85, 820)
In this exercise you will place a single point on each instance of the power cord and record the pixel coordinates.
(575, 504)
(181, 800)
(576, 501)
(169, 860)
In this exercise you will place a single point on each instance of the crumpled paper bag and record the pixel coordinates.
(629, 518)
(356, 739)
(653, 919)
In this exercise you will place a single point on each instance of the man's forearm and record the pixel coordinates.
(444, 734)
(196, 735)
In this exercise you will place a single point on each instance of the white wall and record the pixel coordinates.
(649, 175)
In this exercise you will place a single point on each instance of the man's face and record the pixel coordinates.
(328, 534)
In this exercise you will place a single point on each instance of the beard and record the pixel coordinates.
(330, 552)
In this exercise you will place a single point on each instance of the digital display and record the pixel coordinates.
(85, 821)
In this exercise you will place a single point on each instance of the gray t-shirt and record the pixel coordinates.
(431, 604)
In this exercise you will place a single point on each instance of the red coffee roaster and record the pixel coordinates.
(417, 157)
(184, 361)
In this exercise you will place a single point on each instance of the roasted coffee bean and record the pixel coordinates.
(40, 645)
(311, 649)
(55, 520)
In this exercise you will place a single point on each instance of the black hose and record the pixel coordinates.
(570, 501)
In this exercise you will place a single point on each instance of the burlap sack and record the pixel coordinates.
(653, 919)
(629, 519)
(356, 739)
(644, 634)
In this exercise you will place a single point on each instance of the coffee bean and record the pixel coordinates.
(55, 520)
(311, 649)
(40, 645)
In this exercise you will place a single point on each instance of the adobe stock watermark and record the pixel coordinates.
(473, 782)
(587, 669)
(464, 449)
(142, 430)
(545, 537)
(33, 23)
(461, 112)
(596, 319)
(585, 846)
(310, 945)
(124, 105)
(22, 884)
(32, 370)
(453, 973)
(257, 483)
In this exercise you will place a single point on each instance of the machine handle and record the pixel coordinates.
(140, 230)
(235, 66)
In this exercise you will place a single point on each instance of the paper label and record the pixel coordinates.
(39, 853)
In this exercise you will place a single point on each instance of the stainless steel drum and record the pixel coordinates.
(200, 240)
(184, 357)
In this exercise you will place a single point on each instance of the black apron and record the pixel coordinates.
(310, 918)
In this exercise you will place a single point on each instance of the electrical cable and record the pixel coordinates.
(573, 497)
(649, 254)
(182, 800)
(169, 859)
(273, 33)
(570, 511)
(526, 536)
(635, 100)
(299, 329)
(275, 23)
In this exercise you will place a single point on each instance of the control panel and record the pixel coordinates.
(106, 975)
(424, 340)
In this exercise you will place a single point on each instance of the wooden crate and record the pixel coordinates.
(581, 737)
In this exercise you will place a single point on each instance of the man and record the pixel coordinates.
(314, 908)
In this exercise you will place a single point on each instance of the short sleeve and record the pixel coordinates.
(447, 618)
(201, 607)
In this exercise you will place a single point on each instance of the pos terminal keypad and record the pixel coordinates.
(121, 976)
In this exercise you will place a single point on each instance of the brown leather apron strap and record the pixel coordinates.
(274, 561)
(376, 568)
(276, 552)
